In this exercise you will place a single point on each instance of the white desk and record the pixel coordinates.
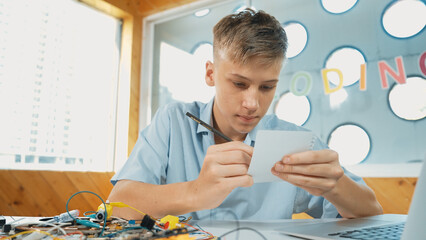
(386, 170)
(267, 228)
(217, 228)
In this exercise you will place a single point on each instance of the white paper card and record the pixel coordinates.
(271, 146)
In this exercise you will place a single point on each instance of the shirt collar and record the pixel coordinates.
(251, 136)
(206, 116)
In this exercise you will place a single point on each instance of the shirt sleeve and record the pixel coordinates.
(317, 206)
(148, 160)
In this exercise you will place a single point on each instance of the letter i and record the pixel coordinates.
(363, 79)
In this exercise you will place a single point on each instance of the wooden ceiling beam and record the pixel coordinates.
(149, 7)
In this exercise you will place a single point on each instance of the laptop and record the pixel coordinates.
(386, 226)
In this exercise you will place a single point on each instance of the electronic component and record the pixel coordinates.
(88, 223)
(147, 222)
(120, 230)
(100, 213)
(101, 225)
(65, 217)
(6, 228)
(2, 221)
(170, 222)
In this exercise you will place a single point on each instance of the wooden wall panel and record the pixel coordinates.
(84, 183)
(394, 194)
(135, 56)
(45, 193)
(16, 196)
(6, 207)
(64, 188)
(38, 190)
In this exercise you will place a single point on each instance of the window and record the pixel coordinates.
(338, 6)
(202, 13)
(182, 73)
(292, 108)
(347, 60)
(58, 85)
(297, 38)
(408, 101)
(403, 19)
(351, 142)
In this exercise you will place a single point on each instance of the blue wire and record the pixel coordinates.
(66, 207)
(87, 212)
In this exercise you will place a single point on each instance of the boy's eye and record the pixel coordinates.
(239, 84)
(267, 87)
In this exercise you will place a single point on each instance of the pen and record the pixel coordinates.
(208, 127)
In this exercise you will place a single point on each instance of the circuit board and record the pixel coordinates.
(100, 224)
(115, 228)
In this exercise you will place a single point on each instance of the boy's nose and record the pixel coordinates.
(251, 100)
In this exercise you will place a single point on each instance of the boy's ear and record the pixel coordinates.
(209, 73)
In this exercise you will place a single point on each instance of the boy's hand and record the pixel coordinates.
(225, 168)
(315, 171)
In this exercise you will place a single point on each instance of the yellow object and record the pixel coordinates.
(172, 220)
(110, 206)
(178, 237)
(108, 213)
(118, 204)
(31, 231)
(121, 205)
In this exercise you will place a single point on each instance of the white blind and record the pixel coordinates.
(58, 85)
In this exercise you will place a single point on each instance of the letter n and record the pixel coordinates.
(399, 76)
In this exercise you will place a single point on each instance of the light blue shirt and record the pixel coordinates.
(173, 147)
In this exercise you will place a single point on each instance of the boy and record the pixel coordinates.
(179, 167)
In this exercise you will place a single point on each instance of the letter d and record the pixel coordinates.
(324, 73)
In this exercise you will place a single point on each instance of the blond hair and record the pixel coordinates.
(250, 35)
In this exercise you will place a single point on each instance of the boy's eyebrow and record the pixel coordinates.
(248, 79)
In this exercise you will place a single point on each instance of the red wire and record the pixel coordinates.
(211, 235)
(76, 232)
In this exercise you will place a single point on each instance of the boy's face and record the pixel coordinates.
(243, 94)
